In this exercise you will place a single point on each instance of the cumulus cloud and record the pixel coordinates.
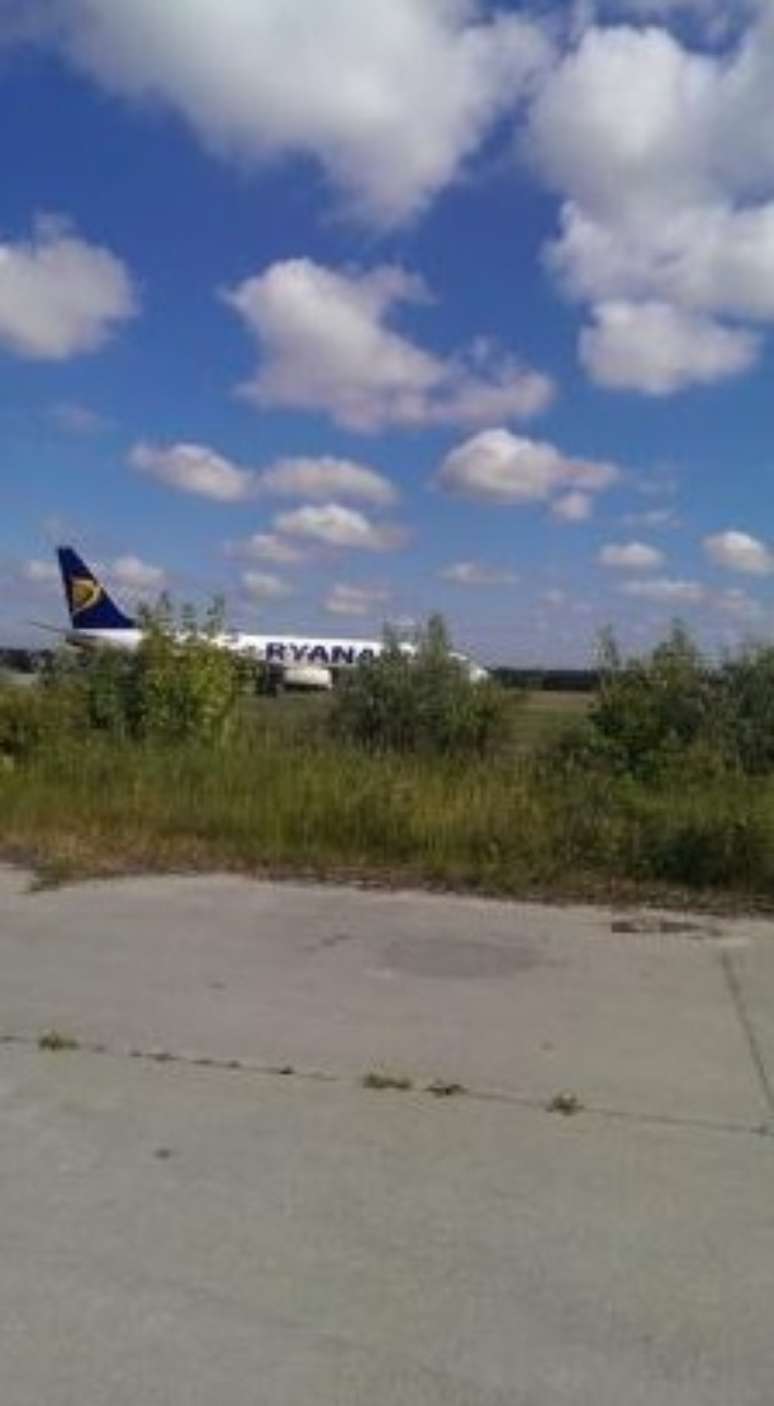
(262, 585)
(265, 546)
(390, 97)
(326, 344)
(40, 573)
(573, 507)
(496, 466)
(60, 296)
(631, 556)
(197, 468)
(128, 573)
(354, 600)
(668, 198)
(326, 477)
(194, 468)
(663, 591)
(659, 349)
(738, 603)
(475, 573)
(133, 574)
(334, 525)
(738, 551)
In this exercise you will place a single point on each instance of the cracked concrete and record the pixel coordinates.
(524, 999)
(228, 1215)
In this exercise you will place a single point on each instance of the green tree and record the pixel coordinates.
(419, 699)
(650, 710)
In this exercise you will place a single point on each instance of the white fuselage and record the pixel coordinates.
(310, 660)
(281, 650)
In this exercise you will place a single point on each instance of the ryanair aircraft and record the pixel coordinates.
(294, 661)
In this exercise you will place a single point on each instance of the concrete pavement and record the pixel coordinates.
(172, 1233)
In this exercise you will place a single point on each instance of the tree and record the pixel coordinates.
(421, 700)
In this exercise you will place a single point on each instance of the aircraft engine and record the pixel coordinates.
(308, 676)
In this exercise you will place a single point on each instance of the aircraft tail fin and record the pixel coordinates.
(90, 606)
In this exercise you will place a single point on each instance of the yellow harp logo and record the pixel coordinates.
(84, 594)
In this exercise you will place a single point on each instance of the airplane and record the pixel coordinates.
(293, 661)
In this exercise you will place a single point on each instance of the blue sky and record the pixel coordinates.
(358, 315)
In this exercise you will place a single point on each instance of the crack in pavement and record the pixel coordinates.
(748, 1029)
(431, 1090)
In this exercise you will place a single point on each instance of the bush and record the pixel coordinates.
(179, 685)
(651, 712)
(41, 715)
(422, 702)
(23, 722)
(701, 836)
(175, 687)
(746, 706)
(671, 714)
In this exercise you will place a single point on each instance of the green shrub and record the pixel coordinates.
(671, 714)
(22, 722)
(700, 837)
(580, 748)
(746, 709)
(425, 702)
(40, 716)
(179, 685)
(176, 687)
(650, 711)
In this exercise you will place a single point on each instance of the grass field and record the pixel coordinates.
(543, 716)
(536, 719)
(284, 798)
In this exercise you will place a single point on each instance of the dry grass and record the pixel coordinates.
(283, 799)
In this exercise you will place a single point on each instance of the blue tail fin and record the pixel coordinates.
(88, 602)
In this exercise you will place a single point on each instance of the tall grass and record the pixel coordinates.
(665, 784)
(300, 802)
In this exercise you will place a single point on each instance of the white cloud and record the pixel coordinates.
(631, 556)
(555, 597)
(573, 507)
(326, 477)
(664, 591)
(197, 468)
(738, 603)
(474, 573)
(354, 600)
(390, 97)
(262, 585)
(337, 526)
(659, 349)
(132, 574)
(128, 573)
(326, 345)
(59, 296)
(668, 196)
(194, 468)
(710, 258)
(738, 551)
(265, 546)
(42, 573)
(499, 467)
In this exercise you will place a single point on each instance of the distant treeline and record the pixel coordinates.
(548, 680)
